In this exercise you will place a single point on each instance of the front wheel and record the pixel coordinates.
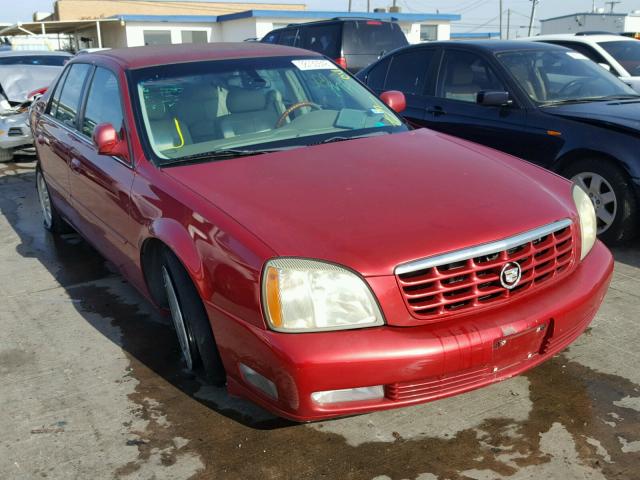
(612, 196)
(190, 321)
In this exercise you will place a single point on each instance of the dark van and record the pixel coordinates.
(351, 43)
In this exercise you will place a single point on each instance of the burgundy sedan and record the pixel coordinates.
(316, 255)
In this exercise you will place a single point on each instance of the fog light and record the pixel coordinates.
(261, 382)
(348, 395)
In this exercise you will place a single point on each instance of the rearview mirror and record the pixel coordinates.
(493, 99)
(394, 100)
(108, 142)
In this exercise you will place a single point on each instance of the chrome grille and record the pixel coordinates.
(469, 279)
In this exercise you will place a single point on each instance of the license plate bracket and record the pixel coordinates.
(514, 349)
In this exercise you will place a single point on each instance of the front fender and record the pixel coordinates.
(176, 237)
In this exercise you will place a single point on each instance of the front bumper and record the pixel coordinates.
(415, 364)
(15, 133)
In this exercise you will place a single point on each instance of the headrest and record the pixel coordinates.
(156, 110)
(243, 100)
(461, 74)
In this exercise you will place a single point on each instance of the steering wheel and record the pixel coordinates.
(293, 107)
(581, 82)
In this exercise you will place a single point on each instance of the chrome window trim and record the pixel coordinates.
(480, 250)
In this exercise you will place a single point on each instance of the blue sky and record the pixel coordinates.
(477, 15)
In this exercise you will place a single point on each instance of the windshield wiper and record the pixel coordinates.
(342, 138)
(591, 99)
(224, 154)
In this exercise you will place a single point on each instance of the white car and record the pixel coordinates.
(620, 55)
(22, 74)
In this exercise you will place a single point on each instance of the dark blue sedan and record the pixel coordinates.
(543, 103)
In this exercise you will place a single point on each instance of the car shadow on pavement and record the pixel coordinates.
(105, 299)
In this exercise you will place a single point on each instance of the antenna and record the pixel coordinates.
(613, 3)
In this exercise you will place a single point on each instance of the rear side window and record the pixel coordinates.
(103, 102)
(372, 37)
(48, 60)
(271, 37)
(55, 99)
(323, 39)
(67, 106)
(408, 70)
(289, 37)
(378, 74)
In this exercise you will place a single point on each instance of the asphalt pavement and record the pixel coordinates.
(92, 387)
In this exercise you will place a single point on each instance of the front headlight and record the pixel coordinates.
(309, 296)
(588, 221)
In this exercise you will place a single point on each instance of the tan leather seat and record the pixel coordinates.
(459, 84)
(251, 111)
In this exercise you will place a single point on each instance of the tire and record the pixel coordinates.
(613, 195)
(190, 320)
(52, 220)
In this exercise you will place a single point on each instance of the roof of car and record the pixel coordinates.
(30, 53)
(582, 38)
(140, 57)
(489, 45)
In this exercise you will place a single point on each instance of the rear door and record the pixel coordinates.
(463, 74)
(412, 72)
(54, 132)
(365, 41)
(101, 184)
(323, 38)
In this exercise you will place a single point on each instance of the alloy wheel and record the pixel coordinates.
(602, 196)
(45, 200)
(178, 319)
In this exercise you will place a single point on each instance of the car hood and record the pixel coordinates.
(620, 115)
(18, 81)
(376, 202)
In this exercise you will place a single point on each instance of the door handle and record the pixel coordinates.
(75, 165)
(436, 111)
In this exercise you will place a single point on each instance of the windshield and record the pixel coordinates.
(561, 76)
(627, 54)
(282, 102)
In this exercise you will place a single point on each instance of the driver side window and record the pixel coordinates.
(465, 74)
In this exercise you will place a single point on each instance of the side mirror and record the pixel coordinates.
(606, 66)
(394, 100)
(493, 99)
(106, 139)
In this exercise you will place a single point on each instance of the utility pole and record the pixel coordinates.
(534, 4)
(593, 6)
(368, 5)
(613, 4)
(500, 19)
(508, 22)
(349, 5)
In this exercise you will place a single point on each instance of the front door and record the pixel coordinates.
(101, 184)
(454, 109)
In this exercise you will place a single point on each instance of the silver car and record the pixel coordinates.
(22, 73)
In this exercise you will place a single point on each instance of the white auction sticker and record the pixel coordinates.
(577, 56)
(314, 64)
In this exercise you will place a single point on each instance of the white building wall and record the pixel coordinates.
(135, 31)
(113, 35)
(239, 30)
(632, 23)
(444, 31)
(583, 23)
